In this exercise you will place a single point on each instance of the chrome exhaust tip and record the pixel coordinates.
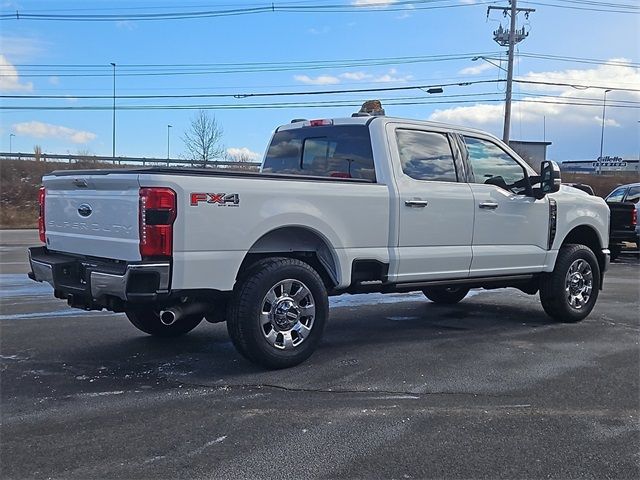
(168, 317)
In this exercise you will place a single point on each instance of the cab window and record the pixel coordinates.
(492, 165)
(617, 195)
(338, 151)
(426, 156)
(634, 195)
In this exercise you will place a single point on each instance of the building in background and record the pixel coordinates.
(601, 165)
(531, 152)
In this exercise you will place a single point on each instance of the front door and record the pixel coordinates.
(510, 229)
(435, 218)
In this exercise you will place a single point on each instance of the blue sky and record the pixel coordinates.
(393, 29)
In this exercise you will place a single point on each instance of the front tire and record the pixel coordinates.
(569, 293)
(148, 321)
(445, 295)
(278, 312)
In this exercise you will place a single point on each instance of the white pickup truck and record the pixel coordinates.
(362, 204)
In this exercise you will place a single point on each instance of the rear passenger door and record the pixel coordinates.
(435, 210)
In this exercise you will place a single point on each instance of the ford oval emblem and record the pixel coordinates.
(85, 210)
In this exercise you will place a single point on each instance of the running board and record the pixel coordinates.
(473, 282)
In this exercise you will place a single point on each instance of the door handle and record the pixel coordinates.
(416, 203)
(488, 205)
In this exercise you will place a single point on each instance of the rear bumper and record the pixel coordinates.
(618, 236)
(88, 282)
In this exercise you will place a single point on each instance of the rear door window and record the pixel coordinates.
(634, 195)
(337, 151)
(426, 156)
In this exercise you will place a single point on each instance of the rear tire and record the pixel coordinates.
(278, 312)
(445, 295)
(148, 321)
(569, 293)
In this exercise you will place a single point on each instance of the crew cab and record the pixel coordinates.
(367, 203)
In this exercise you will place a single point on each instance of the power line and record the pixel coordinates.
(619, 8)
(156, 70)
(282, 105)
(166, 6)
(275, 7)
(265, 8)
(269, 94)
(326, 63)
(320, 92)
(230, 68)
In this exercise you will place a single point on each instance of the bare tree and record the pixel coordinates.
(242, 160)
(37, 152)
(203, 139)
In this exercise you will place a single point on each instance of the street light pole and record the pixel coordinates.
(604, 110)
(168, 130)
(113, 151)
(11, 135)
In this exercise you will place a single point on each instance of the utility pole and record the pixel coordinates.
(509, 38)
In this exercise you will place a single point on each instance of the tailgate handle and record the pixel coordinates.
(416, 203)
(488, 205)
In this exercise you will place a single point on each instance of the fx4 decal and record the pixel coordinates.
(220, 199)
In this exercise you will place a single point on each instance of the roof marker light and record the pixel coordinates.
(318, 123)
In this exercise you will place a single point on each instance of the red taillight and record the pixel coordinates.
(41, 226)
(634, 217)
(157, 214)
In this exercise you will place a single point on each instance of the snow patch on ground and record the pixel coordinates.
(76, 312)
(19, 285)
(347, 300)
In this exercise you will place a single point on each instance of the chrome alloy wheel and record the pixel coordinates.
(287, 314)
(579, 283)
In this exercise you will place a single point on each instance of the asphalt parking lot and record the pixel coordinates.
(400, 388)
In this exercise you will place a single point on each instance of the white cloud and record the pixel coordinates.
(476, 69)
(21, 48)
(357, 76)
(9, 78)
(54, 80)
(320, 31)
(126, 25)
(389, 77)
(536, 106)
(392, 76)
(319, 80)
(46, 130)
(373, 3)
(237, 153)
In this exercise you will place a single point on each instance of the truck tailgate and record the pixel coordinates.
(95, 215)
(622, 216)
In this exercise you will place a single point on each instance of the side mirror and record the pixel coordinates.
(549, 177)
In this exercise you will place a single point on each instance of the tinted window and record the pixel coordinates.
(327, 151)
(633, 195)
(616, 195)
(492, 165)
(426, 156)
